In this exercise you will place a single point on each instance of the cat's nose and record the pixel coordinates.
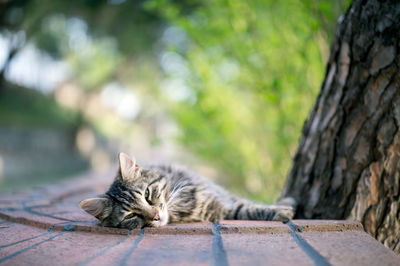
(156, 217)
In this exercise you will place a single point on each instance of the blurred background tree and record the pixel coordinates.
(222, 86)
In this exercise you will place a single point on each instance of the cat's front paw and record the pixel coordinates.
(284, 214)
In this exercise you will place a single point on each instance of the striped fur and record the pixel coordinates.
(173, 196)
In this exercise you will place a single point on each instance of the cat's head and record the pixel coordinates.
(137, 198)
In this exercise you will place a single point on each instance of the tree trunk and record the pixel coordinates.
(347, 165)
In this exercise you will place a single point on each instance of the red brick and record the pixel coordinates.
(350, 248)
(172, 250)
(9, 233)
(327, 225)
(186, 229)
(65, 249)
(253, 227)
(35, 203)
(16, 196)
(113, 254)
(65, 211)
(265, 249)
(93, 228)
(29, 219)
(9, 204)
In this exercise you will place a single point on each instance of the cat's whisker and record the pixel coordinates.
(175, 193)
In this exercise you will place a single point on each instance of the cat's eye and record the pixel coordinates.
(130, 216)
(147, 196)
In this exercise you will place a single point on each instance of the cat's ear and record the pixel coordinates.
(127, 166)
(98, 207)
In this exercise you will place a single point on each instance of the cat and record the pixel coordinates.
(157, 195)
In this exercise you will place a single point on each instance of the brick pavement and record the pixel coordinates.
(45, 226)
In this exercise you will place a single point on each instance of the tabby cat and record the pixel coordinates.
(158, 195)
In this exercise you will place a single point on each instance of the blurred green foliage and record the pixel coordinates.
(242, 75)
(254, 69)
(24, 108)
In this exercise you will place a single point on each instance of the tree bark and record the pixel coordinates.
(347, 164)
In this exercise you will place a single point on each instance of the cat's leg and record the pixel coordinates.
(245, 210)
